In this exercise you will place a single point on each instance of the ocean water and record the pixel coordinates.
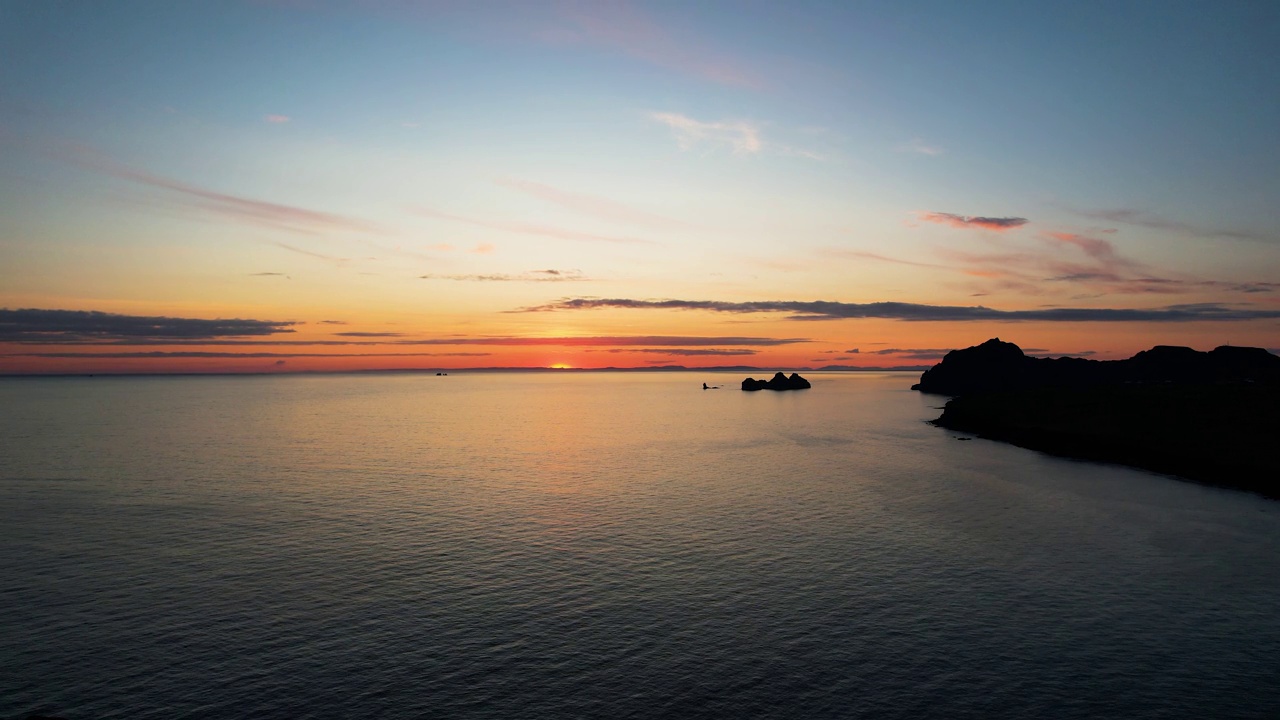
(617, 545)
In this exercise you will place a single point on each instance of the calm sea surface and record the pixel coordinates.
(602, 546)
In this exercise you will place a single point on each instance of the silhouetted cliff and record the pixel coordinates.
(996, 366)
(1211, 417)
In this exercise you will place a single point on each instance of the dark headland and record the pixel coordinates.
(1212, 417)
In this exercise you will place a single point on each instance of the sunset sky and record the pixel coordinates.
(322, 185)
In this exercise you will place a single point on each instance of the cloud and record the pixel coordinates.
(242, 209)
(529, 229)
(333, 322)
(613, 341)
(369, 334)
(311, 253)
(740, 136)
(832, 310)
(270, 274)
(972, 221)
(514, 341)
(920, 147)
(623, 28)
(592, 205)
(77, 326)
(683, 352)
(1047, 354)
(1096, 248)
(1142, 218)
(277, 119)
(1102, 269)
(528, 276)
(202, 354)
(914, 353)
(862, 255)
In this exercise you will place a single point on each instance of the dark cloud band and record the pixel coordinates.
(63, 326)
(831, 310)
(248, 355)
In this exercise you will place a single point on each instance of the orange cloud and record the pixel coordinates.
(972, 221)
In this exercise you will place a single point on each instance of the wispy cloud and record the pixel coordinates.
(242, 209)
(1090, 263)
(312, 253)
(683, 352)
(622, 28)
(614, 341)
(364, 334)
(531, 229)
(740, 136)
(920, 147)
(914, 353)
(831, 310)
(246, 355)
(277, 119)
(269, 274)
(366, 339)
(62, 326)
(592, 205)
(528, 276)
(1047, 354)
(863, 255)
(973, 221)
(1142, 218)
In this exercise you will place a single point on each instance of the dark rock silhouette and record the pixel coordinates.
(996, 366)
(1212, 416)
(778, 382)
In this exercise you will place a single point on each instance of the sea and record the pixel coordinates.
(602, 545)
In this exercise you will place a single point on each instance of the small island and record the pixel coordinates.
(1206, 416)
(778, 382)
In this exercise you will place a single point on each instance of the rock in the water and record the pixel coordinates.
(779, 382)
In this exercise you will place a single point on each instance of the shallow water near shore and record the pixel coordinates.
(601, 544)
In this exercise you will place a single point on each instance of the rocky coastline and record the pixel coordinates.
(1212, 417)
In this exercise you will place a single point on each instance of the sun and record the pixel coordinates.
(562, 366)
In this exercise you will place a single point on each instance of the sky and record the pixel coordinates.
(308, 185)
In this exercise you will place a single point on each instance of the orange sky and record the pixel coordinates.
(628, 184)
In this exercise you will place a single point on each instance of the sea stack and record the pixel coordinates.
(779, 382)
